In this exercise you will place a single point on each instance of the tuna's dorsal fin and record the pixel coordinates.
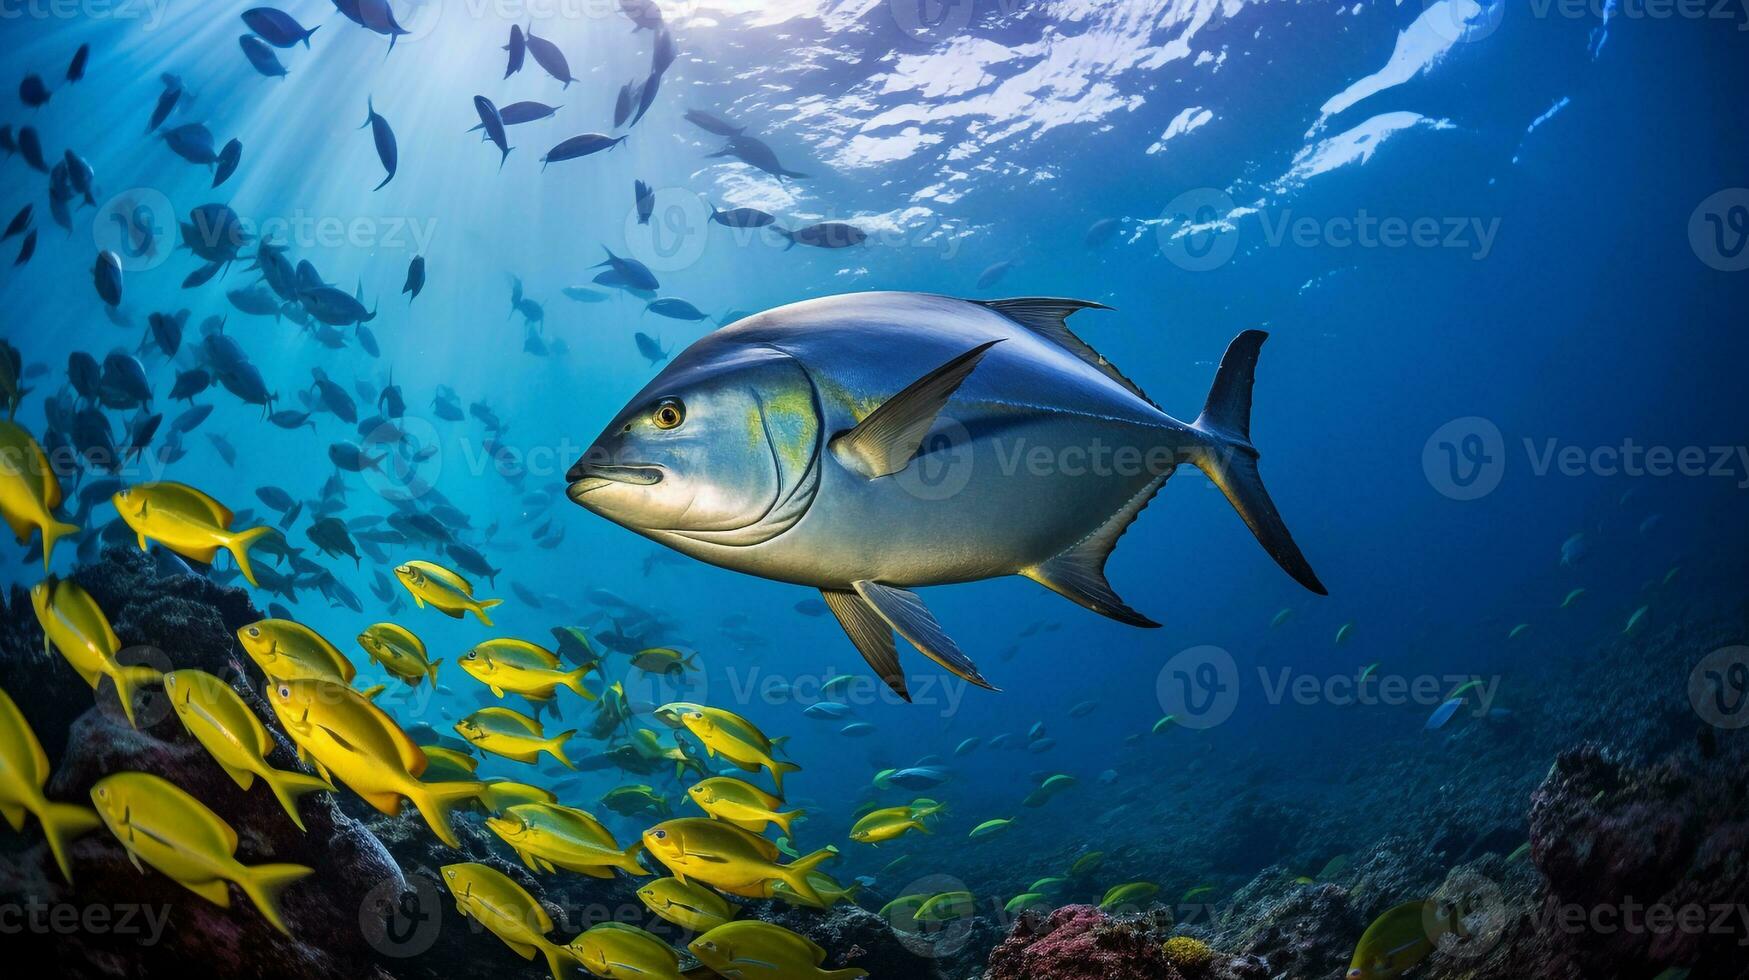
(907, 614)
(883, 443)
(1047, 316)
(871, 634)
(1078, 572)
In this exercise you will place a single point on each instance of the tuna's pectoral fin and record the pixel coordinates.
(871, 634)
(884, 443)
(1078, 573)
(907, 614)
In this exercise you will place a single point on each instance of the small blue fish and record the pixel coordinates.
(261, 56)
(1442, 714)
(387, 151)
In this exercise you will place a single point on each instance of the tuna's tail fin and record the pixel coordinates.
(1230, 461)
(127, 683)
(61, 823)
(239, 544)
(435, 801)
(263, 883)
(53, 531)
(288, 786)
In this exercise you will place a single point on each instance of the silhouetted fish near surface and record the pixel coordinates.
(651, 348)
(261, 56)
(645, 199)
(633, 273)
(517, 47)
(741, 217)
(377, 16)
(712, 124)
(27, 249)
(867, 540)
(277, 27)
(580, 146)
(826, 234)
(493, 123)
(675, 309)
(30, 147)
(192, 142)
(167, 100)
(227, 161)
(644, 14)
(517, 113)
(19, 222)
(415, 278)
(384, 137)
(756, 154)
(548, 56)
(33, 92)
(106, 275)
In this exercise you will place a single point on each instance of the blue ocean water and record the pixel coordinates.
(1496, 247)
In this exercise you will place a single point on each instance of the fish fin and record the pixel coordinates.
(1078, 572)
(783, 820)
(574, 681)
(435, 800)
(907, 614)
(777, 771)
(52, 531)
(127, 680)
(385, 802)
(214, 891)
(14, 814)
(556, 957)
(555, 747)
(263, 883)
(238, 546)
(481, 607)
(796, 873)
(288, 786)
(242, 777)
(497, 692)
(431, 670)
(1047, 317)
(61, 823)
(885, 442)
(871, 635)
(1230, 461)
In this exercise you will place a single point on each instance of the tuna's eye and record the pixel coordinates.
(668, 414)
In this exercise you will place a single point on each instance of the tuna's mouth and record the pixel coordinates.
(584, 477)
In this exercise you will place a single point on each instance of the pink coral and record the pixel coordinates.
(1078, 942)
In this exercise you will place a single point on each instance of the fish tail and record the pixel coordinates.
(263, 883)
(777, 771)
(481, 607)
(556, 957)
(127, 681)
(555, 746)
(431, 670)
(61, 823)
(287, 786)
(238, 546)
(574, 681)
(796, 873)
(434, 801)
(53, 531)
(784, 820)
(1230, 461)
(629, 859)
(307, 35)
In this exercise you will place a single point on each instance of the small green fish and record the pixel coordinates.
(1572, 597)
(1129, 893)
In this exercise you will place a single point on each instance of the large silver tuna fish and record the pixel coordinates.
(871, 443)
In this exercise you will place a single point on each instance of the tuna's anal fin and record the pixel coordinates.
(884, 443)
(907, 614)
(871, 634)
(1078, 573)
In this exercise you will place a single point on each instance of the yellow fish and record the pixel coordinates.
(290, 651)
(740, 803)
(887, 823)
(186, 521)
(665, 660)
(442, 763)
(521, 667)
(623, 952)
(223, 725)
(494, 901)
(632, 800)
(399, 652)
(354, 741)
(24, 768)
(512, 735)
(755, 950)
(29, 492)
(444, 590)
(730, 859)
(74, 625)
(729, 735)
(685, 904)
(1400, 938)
(830, 890)
(502, 794)
(160, 824)
(547, 837)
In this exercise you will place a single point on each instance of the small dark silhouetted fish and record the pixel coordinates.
(651, 348)
(992, 275)
(19, 222)
(223, 447)
(1100, 232)
(644, 14)
(675, 309)
(166, 330)
(583, 294)
(378, 16)
(580, 146)
(26, 250)
(188, 420)
(646, 200)
(755, 153)
(387, 151)
(166, 101)
(548, 56)
(277, 27)
(631, 272)
(517, 47)
(190, 383)
(192, 142)
(415, 278)
(826, 234)
(200, 276)
(622, 106)
(350, 457)
(33, 92)
(227, 161)
(80, 176)
(106, 275)
(741, 217)
(256, 300)
(30, 147)
(714, 125)
(517, 113)
(261, 56)
(76, 67)
(494, 126)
